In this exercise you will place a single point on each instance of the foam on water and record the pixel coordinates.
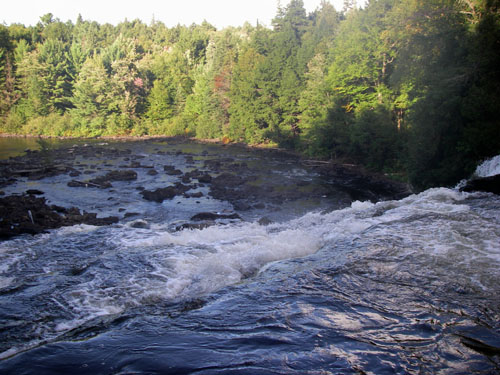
(190, 263)
(488, 168)
(136, 267)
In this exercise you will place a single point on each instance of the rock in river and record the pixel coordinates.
(214, 216)
(21, 214)
(489, 184)
(160, 194)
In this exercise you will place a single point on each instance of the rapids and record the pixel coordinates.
(405, 286)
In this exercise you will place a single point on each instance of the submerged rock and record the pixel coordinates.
(126, 175)
(264, 221)
(139, 224)
(92, 183)
(104, 182)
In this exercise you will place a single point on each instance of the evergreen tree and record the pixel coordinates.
(92, 98)
(314, 104)
(245, 124)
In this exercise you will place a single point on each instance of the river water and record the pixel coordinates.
(329, 287)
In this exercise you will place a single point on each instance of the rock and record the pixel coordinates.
(130, 214)
(203, 225)
(34, 192)
(27, 214)
(139, 224)
(205, 178)
(126, 175)
(265, 221)
(136, 164)
(160, 194)
(172, 171)
(228, 180)
(487, 184)
(92, 219)
(213, 216)
(103, 182)
(241, 206)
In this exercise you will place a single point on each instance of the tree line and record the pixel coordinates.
(406, 87)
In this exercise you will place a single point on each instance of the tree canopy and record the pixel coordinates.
(406, 87)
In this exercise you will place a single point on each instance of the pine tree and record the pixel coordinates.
(92, 98)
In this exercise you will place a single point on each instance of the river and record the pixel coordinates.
(328, 286)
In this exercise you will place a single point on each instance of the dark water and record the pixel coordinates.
(331, 287)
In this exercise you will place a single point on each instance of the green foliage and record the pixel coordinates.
(374, 138)
(91, 98)
(314, 104)
(400, 85)
(245, 124)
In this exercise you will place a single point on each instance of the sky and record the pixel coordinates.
(220, 13)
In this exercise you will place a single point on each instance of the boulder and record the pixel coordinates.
(205, 178)
(139, 224)
(172, 171)
(161, 194)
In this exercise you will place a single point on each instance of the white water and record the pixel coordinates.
(130, 268)
(161, 266)
(488, 168)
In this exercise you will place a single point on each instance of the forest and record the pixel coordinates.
(409, 88)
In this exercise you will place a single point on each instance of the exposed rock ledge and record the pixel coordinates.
(29, 214)
(487, 184)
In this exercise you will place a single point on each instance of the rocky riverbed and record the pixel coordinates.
(192, 174)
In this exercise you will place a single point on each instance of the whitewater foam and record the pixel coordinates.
(195, 262)
(134, 267)
(488, 168)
